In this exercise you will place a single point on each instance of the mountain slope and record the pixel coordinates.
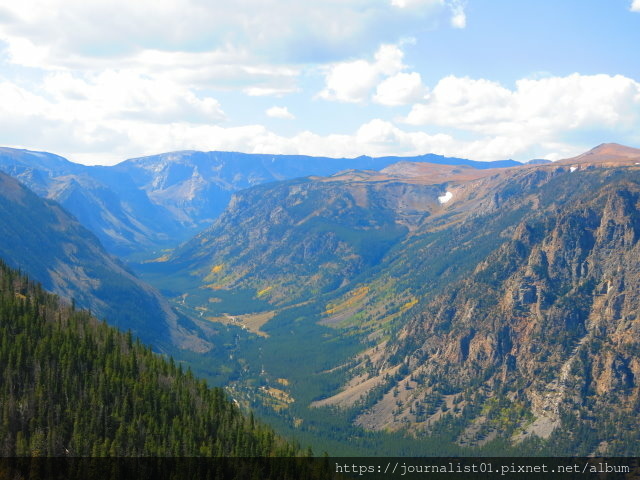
(302, 237)
(72, 386)
(287, 242)
(41, 238)
(537, 339)
(290, 242)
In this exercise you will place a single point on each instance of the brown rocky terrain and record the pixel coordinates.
(543, 327)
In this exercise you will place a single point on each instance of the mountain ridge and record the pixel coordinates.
(156, 201)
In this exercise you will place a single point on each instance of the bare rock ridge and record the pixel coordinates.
(607, 154)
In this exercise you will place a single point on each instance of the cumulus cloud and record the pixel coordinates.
(273, 91)
(225, 68)
(126, 115)
(635, 6)
(350, 81)
(547, 104)
(353, 81)
(400, 89)
(280, 112)
(101, 113)
(259, 47)
(32, 121)
(536, 111)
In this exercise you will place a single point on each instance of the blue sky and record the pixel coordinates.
(102, 81)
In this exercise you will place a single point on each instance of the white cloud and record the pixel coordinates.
(556, 103)
(22, 51)
(226, 68)
(350, 81)
(269, 91)
(97, 115)
(353, 81)
(465, 103)
(258, 47)
(635, 6)
(376, 137)
(120, 95)
(31, 121)
(536, 112)
(280, 112)
(400, 89)
(281, 30)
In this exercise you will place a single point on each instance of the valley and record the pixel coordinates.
(368, 306)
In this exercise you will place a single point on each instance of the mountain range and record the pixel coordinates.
(160, 200)
(483, 305)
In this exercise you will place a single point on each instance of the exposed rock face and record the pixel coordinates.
(508, 310)
(549, 318)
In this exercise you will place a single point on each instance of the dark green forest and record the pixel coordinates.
(72, 386)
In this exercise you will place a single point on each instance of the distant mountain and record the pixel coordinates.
(42, 239)
(489, 304)
(298, 238)
(197, 186)
(441, 160)
(105, 201)
(538, 161)
(158, 201)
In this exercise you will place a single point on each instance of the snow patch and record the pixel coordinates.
(446, 197)
(573, 169)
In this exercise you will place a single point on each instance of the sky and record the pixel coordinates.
(100, 81)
